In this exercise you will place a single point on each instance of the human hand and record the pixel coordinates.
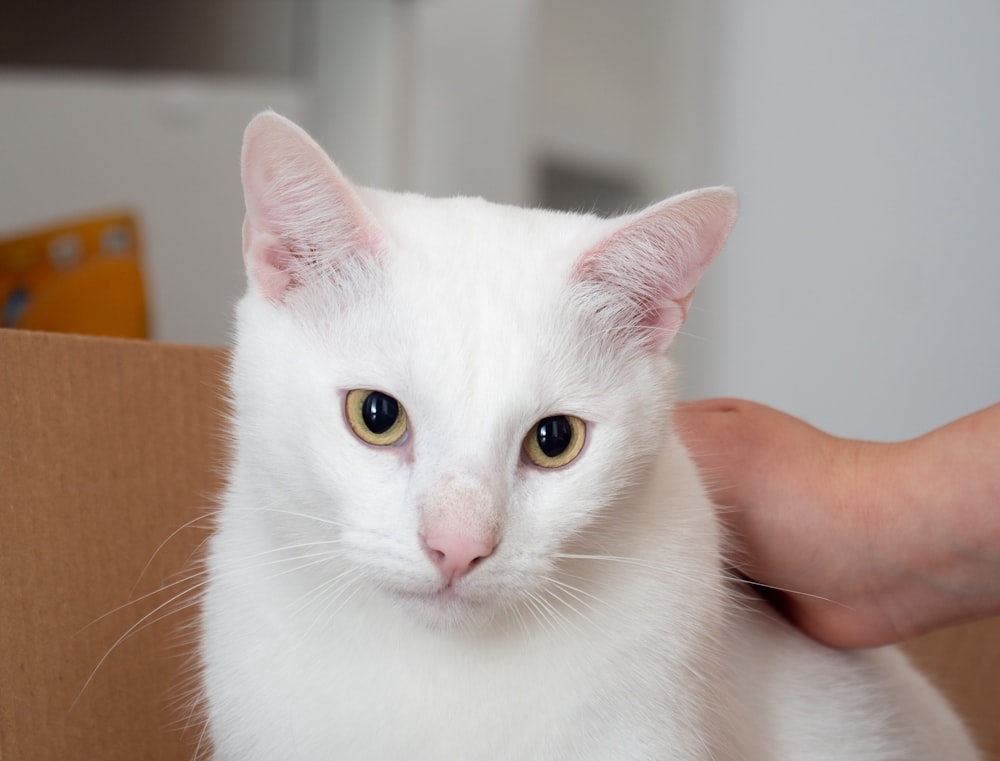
(857, 543)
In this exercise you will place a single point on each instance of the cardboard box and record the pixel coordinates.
(107, 447)
(110, 454)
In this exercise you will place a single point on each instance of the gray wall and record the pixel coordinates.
(860, 289)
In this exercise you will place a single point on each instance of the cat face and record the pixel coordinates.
(439, 400)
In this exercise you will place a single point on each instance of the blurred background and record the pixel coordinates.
(859, 290)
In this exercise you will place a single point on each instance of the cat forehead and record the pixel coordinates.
(480, 277)
(490, 236)
(460, 320)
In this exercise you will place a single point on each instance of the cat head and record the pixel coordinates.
(439, 400)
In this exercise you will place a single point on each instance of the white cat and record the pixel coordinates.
(459, 524)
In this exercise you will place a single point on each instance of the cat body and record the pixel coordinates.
(459, 523)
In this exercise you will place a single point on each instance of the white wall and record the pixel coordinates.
(353, 64)
(469, 75)
(431, 96)
(167, 147)
(860, 289)
(600, 78)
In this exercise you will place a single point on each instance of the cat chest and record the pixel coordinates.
(388, 698)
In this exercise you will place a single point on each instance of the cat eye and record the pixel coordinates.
(555, 441)
(375, 417)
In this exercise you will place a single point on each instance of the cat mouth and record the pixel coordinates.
(446, 594)
(448, 599)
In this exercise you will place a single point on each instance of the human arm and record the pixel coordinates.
(880, 542)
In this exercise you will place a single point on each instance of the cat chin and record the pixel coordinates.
(444, 609)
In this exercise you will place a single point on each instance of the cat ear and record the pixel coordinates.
(640, 279)
(303, 217)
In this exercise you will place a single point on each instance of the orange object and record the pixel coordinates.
(81, 276)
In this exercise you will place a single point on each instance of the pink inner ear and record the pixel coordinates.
(303, 216)
(267, 261)
(641, 278)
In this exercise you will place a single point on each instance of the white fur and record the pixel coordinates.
(603, 625)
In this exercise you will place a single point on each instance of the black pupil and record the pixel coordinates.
(554, 435)
(379, 412)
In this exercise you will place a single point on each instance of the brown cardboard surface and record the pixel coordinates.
(108, 448)
(964, 662)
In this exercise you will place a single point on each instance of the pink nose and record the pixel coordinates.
(456, 555)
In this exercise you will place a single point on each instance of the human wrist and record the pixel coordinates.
(959, 506)
(936, 561)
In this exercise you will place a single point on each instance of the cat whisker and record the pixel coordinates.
(290, 547)
(298, 605)
(351, 587)
(201, 740)
(153, 616)
(798, 593)
(666, 568)
(148, 595)
(515, 611)
(661, 570)
(191, 586)
(184, 526)
(638, 562)
(694, 336)
(558, 618)
(291, 513)
(188, 702)
(535, 611)
(303, 562)
(574, 592)
(558, 597)
(281, 560)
